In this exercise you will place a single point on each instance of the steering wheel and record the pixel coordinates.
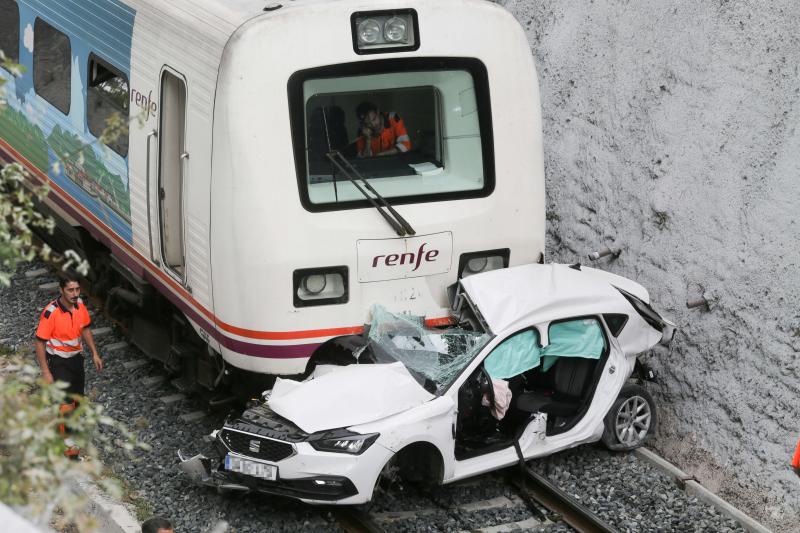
(485, 383)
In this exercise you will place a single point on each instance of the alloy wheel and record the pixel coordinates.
(633, 421)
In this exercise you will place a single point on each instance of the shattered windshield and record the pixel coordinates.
(434, 357)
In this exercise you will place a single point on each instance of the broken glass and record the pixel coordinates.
(435, 355)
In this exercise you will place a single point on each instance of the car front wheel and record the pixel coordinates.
(631, 420)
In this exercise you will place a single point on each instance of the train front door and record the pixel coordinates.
(172, 165)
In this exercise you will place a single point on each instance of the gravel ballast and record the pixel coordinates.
(624, 490)
(629, 493)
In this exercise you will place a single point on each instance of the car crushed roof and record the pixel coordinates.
(512, 298)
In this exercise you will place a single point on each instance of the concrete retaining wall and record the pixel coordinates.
(671, 131)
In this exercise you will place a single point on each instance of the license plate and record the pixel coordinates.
(251, 468)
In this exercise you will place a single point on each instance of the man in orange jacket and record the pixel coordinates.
(796, 459)
(63, 328)
(381, 133)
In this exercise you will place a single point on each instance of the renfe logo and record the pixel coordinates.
(409, 258)
(406, 257)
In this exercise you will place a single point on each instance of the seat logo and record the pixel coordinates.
(255, 445)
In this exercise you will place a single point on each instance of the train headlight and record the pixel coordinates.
(320, 286)
(314, 284)
(396, 30)
(377, 32)
(369, 31)
(476, 265)
(477, 262)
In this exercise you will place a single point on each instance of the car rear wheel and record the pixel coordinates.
(631, 420)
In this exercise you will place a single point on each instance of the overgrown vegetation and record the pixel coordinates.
(35, 476)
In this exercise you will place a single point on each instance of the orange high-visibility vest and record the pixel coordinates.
(61, 328)
(394, 135)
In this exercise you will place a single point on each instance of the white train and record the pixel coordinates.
(246, 220)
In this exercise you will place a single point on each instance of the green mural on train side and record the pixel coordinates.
(80, 162)
(53, 124)
(24, 137)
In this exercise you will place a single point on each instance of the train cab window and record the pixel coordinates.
(404, 122)
(9, 29)
(418, 130)
(52, 67)
(107, 95)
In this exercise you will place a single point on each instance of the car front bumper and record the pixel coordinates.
(309, 475)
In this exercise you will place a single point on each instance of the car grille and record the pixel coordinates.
(252, 446)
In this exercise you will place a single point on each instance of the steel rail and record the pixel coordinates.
(578, 516)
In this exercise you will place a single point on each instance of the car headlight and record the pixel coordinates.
(477, 262)
(343, 441)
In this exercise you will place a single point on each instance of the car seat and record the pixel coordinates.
(571, 378)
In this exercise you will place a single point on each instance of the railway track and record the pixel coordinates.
(526, 501)
(578, 516)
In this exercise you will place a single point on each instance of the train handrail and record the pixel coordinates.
(151, 134)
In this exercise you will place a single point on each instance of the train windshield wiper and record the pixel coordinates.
(396, 221)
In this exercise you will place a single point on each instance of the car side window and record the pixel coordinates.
(581, 337)
(515, 355)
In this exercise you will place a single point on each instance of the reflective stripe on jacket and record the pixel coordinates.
(394, 135)
(61, 328)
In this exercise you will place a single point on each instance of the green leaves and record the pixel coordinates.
(34, 474)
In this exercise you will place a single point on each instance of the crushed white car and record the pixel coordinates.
(542, 360)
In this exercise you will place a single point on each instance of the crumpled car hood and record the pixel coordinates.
(347, 396)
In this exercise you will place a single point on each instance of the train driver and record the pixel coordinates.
(381, 133)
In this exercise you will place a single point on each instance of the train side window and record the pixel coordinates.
(108, 94)
(52, 67)
(9, 29)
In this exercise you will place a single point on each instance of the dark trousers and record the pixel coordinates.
(68, 370)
